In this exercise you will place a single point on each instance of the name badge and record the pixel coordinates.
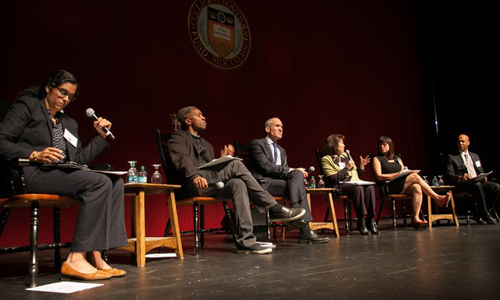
(341, 165)
(478, 164)
(70, 138)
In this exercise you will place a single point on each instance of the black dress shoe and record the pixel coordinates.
(297, 224)
(480, 221)
(362, 227)
(491, 221)
(312, 237)
(372, 226)
(287, 214)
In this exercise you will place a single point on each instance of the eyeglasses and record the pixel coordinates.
(64, 93)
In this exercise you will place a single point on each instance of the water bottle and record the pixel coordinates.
(312, 183)
(132, 174)
(143, 175)
(435, 181)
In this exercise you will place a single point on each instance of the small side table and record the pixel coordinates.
(324, 225)
(139, 243)
(434, 217)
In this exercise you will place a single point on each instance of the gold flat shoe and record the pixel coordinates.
(114, 272)
(68, 272)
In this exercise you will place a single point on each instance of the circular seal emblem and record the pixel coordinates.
(219, 33)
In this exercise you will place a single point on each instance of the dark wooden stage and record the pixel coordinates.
(445, 263)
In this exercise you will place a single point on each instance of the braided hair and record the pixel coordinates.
(179, 118)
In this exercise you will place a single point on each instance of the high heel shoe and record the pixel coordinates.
(417, 224)
(444, 202)
(68, 272)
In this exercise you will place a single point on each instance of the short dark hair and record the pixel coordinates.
(55, 79)
(385, 139)
(332, 144)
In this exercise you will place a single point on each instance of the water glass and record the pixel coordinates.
(156, 177)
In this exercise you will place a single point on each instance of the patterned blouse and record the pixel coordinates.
(58, 140)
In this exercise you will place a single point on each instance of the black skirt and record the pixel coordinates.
(396, 186)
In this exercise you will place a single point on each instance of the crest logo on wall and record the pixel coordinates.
(219, 33)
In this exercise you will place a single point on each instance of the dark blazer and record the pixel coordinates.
(27, 128)
(183, 154)
(261, 162)
(455, 167)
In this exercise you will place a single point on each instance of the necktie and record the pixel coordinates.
(275, 154)
(470, 166)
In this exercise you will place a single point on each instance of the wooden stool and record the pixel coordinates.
(140, 244)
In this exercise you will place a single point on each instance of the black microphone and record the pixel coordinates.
(348, 154)
(311, 169)
(219, 185)
(91, 114)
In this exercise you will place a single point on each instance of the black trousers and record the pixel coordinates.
(242, 188)
(292, 186)
(485, 193)
(100, 224)
(363, 197)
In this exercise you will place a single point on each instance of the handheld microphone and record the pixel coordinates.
(219, 185)
(348, 154)
(311, 169)
(91, 114)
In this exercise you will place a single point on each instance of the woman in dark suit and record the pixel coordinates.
(339, 167)
(388, 166)
(37, 127)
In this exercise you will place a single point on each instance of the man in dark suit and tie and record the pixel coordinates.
(268, 164)
(462, 170)
(188, 150)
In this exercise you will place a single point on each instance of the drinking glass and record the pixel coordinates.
(441, 181)
(321, 183)
(156, 177)
(425, 179)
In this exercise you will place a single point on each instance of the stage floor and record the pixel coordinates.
(445, 263)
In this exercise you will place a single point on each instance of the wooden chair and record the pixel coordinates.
(198, 203)
(338, 198)
(18, 197)
(385, 196)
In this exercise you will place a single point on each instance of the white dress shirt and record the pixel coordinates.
(271, 146)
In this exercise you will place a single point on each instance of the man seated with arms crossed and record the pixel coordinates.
(268, 163)
(461, 170)
(188, 150)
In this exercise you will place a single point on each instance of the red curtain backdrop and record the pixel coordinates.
(322, 66)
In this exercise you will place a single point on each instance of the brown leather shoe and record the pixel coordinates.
(68, 272)
(114, 272)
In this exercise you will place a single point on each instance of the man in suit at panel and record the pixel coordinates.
(462, 169)
(267, 162)
(188, 150)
